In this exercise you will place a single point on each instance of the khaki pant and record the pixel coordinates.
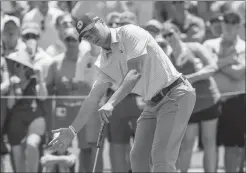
(160, 130)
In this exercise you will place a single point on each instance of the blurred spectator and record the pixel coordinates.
(203, 9)
(142, 9)
(164, 45)
(160, 11)
(229, 51)
(67, 84)
(240, 8)
(61, 161)
(127, 18)
(31, 33)
(113, 19)
(12, 8)
(5, 85)
(217, 9)
(63, 22)
(26, 124)
(153, 27)
(46, 17)
(10, 32)
(100, 8)
(192, 27)
(215, 26)
(195, 62)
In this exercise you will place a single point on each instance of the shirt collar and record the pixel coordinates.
(114, 39)
(114, 36)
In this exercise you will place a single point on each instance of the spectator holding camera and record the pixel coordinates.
(194, 60)
(229, 52)
(26, 124)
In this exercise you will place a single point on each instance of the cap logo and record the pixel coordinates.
(79, 25)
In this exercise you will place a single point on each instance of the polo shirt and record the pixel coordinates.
(130, 42)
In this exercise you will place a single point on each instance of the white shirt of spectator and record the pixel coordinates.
(225, 83)
(85, 69)
(130, 42)
(50, 35)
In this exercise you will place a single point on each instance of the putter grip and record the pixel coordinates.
(101, 135)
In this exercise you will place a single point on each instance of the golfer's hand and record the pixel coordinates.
(62, 141)
(105, 112)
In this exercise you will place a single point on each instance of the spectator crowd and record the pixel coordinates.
(46, 73)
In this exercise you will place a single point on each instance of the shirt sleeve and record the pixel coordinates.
(134, 40)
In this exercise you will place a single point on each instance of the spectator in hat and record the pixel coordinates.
(26, 124)
(10, 32)
(69, 82)
(46, 17)
(30, 34)
(153, 27)
(229, 51)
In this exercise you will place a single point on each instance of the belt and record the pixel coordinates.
(159, 96)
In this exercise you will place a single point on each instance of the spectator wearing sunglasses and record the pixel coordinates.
(46, 17)
(63, 22)
(26, 123)
(69, 82)
(10, 32)
(194, 60)
(229, 51)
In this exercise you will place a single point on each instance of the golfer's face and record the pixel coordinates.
(97, 35)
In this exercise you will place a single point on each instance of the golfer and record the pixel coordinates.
(132, 60)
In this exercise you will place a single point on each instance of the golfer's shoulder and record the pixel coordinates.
(131, 30)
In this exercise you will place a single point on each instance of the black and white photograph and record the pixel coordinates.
(123, 86)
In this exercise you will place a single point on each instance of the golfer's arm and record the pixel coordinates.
(129, 82)
(90, 104)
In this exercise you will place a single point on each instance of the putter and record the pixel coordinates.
(99, 144)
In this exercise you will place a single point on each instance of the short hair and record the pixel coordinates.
(168, 25)
(112, 15)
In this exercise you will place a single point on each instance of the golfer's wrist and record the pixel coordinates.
(73, 130)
